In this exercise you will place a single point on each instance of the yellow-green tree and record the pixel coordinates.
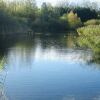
(73, 20)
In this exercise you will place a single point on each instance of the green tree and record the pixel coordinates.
(73, 20)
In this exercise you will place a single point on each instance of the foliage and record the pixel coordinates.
(48, 19)
(73, 20)
(92, 22)
(2, 61)
(23, 15)
(86, 13)
(16, 16)
(89, 36)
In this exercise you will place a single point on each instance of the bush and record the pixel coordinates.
(92, 22)
(89, 36)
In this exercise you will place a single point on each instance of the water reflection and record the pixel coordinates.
(23, 51)
(26, 51)
(49, 68)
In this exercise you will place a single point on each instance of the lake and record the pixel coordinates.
(47, 68)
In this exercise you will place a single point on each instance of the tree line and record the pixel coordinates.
(20, 16)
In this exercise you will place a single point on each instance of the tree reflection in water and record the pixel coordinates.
(29, 52)
(27, 49)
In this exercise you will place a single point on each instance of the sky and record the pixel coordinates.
(79, 2)
(54, 2)
(39, 2)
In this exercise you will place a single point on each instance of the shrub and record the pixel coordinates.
(89, 36)
(92, 22)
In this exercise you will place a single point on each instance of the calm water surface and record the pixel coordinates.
(47, 68)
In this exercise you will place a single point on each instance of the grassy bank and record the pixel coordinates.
(89, 37)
